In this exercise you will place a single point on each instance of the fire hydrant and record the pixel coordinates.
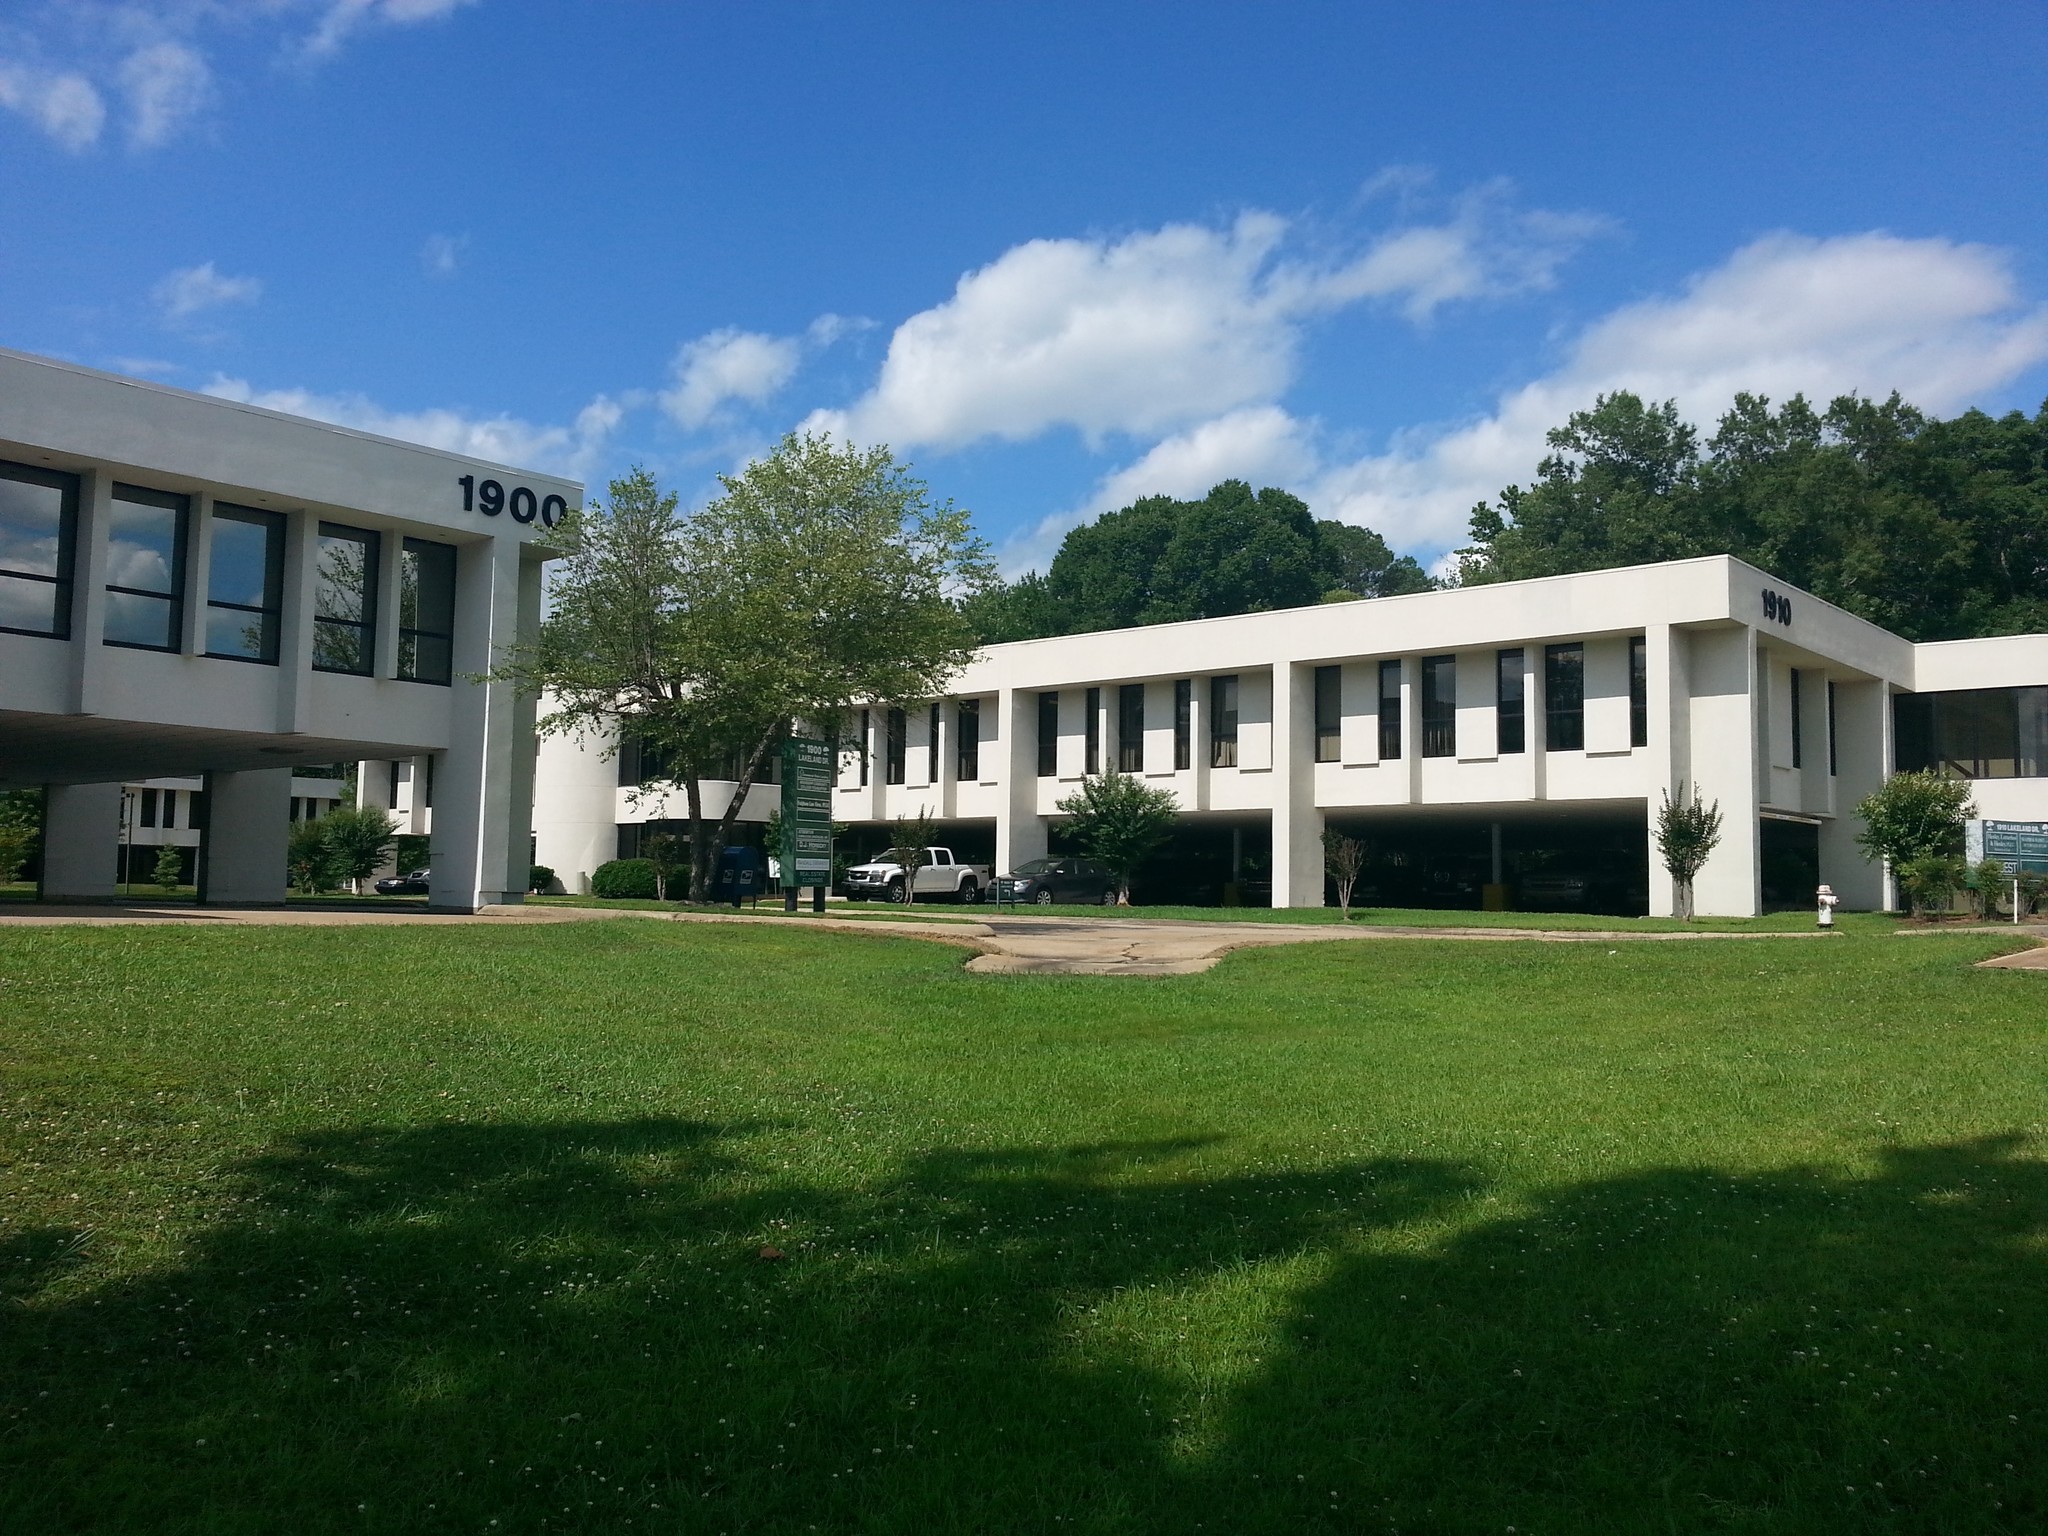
(1826, 899)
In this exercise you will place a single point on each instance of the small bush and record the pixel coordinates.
(1989, 884)
(539, 878)
(624, 879)
(2033, 893)
(1930, 882)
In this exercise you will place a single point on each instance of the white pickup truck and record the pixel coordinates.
(938, 878)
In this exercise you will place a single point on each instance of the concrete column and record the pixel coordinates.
(242, 848)
(198, 571)
(89, 589)
(477, 780)
(1665, 756)
(1020, 830)
(81, 841)
(1725, 760)
(1862, 758)
(295, 625)
(1297, 820)
(384, 656)
(525, 744)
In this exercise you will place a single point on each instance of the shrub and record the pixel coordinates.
(1930, 881)
(539, 878)
(1989, 884)
(308, 861)
(169, 873)
(2033, 893)
(624, 879)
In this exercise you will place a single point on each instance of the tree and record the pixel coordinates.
(1343, 860)
(170, 868)
(910, 844)
(1914, 815)
(823, 574)
(359, 839)
(664, 855)
(1687, 834)
(1356, 562)
(308, 863)
(1120, 820)
(21, 824)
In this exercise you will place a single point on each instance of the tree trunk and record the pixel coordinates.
(700, 859)
(748, 773)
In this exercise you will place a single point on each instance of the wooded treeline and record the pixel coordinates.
(1935, 529)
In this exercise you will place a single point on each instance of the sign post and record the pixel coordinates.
(806, 850)
(2021, 846)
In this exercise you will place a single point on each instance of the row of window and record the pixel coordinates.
(147, 563)
(159, 807)
(1973, 733)
(896, 743)
(1564, 699)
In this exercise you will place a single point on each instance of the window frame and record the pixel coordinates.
(272, 607)
(1798, 729)
(1564, 727)
(896, 746)
(931, 745)
(1390, 710)
(1639, 692)
(1091, 734)
(412, 633)
(1183, 724)
(68, 487)
(1439, 709)
(1048, 733)
(1130, 743)
(180, 507)
(1328, 694)
(1511, 707)
(1223, 720)
(365, 627)
(967, 740)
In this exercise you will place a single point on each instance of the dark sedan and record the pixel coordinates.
(1045, 881)
(414, 884)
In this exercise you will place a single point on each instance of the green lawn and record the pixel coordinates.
(383, 1229)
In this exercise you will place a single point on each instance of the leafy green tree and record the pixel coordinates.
(1343, 861)
(663, 853)
(1912, 815)
(1120, 820)
(821, 575)
(169, 872)
(308, 861)
(909, 845)
(21, 824)
(1688, 832)
(1989, 884)
(1930, 882)
(359, 839)
(1933, 529)
(1356, 562)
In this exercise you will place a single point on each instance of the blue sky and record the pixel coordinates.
(1056, 255)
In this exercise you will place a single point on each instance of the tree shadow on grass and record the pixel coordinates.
(569, 1327)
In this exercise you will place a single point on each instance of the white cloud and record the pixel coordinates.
(1260, 444)
(192, 290)
(63, 103)
(343, 18)
(1939, 321)
(571, 450)
(729, 365)
(1164, 328)
(441, 255)
(167, 85)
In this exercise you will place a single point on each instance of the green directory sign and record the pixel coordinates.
(806, 850)
(2021, 845)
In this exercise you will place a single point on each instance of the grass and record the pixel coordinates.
(327, 1230)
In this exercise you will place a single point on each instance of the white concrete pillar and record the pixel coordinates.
(295, 626)
(1020, 830)
(1297, 820)
(198, 574)
(524, 747)
(1863, 755)
(1665, 756)
(476, 780)
(89, 589)
(81, 841)
(242, 850)
(1726, 767)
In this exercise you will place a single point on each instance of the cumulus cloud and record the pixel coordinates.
(193, 290)
(62, 103)
(1939, 321)
(728, 365)
(1164, 328)
(167, 84)
(573, 449)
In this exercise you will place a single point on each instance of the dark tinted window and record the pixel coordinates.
(1390, 709)
(1130, 728)
(1564, 697)
(1092, 732)
(38, 520)
(1510, 702)
(1639, 697)
(426, 611)
(1184, 724)
(1223, 722)
(146, 569)
(1329, 714)
(244, 583)
(1974, 733)
(968, 727)
(1048, 735)
(1440, 706)
(345, 600)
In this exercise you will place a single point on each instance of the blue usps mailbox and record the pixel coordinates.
(741, 874)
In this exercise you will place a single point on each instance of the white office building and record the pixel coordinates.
(1508, 743)
(196, 596)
